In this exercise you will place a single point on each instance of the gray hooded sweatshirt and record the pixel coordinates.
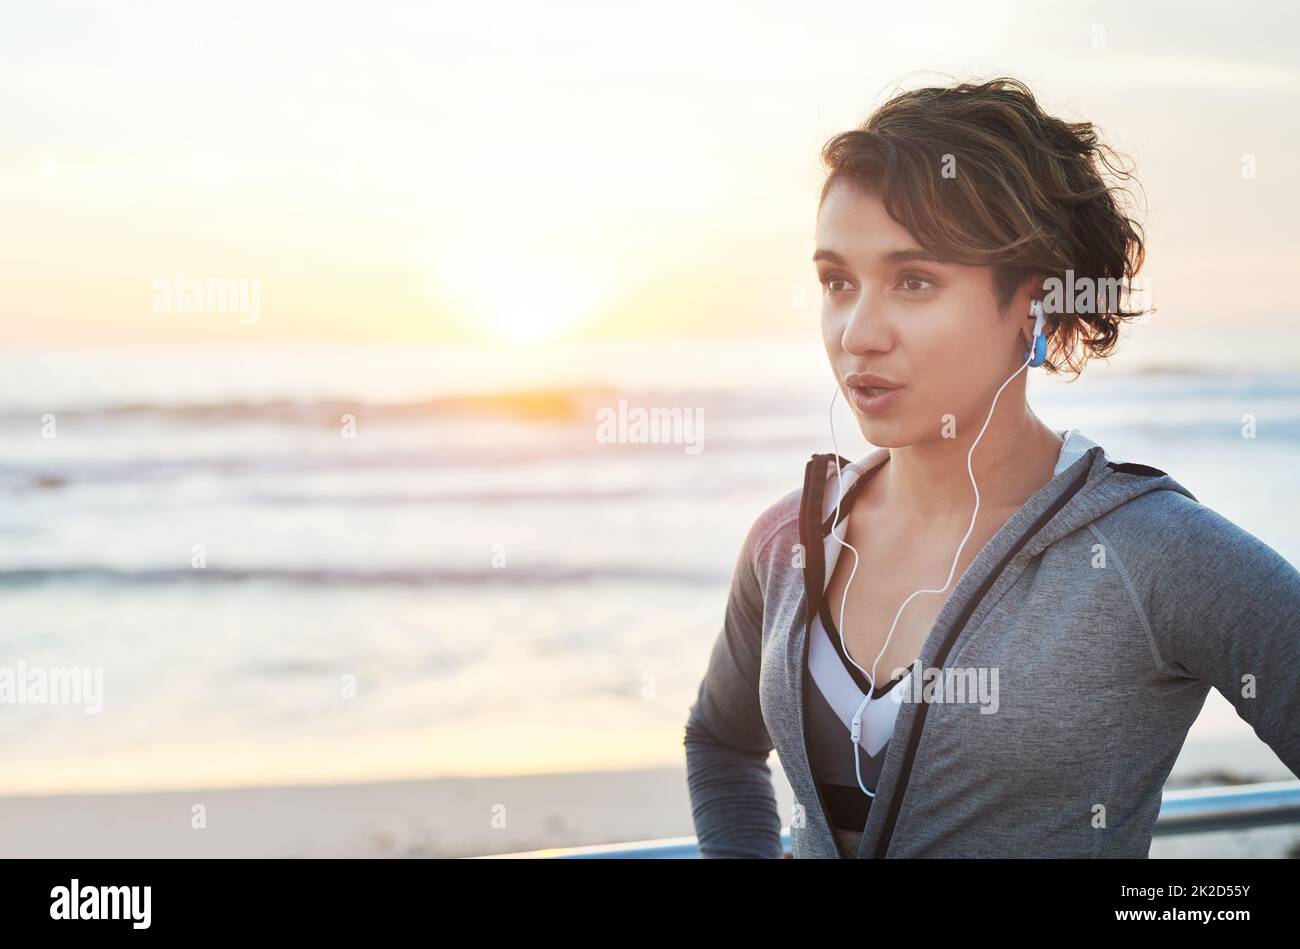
(1106, 606)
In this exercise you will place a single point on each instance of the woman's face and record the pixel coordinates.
(930, 328)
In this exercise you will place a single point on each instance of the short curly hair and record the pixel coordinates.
(979, 174)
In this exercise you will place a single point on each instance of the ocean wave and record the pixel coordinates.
(580, 403)
(52, 477)
(558, 403)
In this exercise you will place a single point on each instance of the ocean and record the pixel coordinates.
(334, 563)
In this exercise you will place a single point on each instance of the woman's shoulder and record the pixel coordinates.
(1171, 523)
(779, 517)
(1176, 545)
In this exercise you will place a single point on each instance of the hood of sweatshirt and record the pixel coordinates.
(1086, 484)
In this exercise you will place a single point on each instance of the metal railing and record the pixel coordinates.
(1189, 811)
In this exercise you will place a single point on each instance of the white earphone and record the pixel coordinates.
(1034, 357)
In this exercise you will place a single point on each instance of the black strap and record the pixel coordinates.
(1130, 467)
(810, 536)
(812, 529)
(847, 501)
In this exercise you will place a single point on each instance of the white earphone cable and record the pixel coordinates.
(855, 731)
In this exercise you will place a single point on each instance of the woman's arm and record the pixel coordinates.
(727, 743)
(1225, 608)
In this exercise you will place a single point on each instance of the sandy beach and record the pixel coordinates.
(471, 816)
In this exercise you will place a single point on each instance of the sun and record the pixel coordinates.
(498, 292)
(528, 307)
(533, 323)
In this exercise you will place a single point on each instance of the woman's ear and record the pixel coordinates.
(1027, 325)
(1032, 289)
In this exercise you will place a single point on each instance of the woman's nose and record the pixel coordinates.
(866, 328)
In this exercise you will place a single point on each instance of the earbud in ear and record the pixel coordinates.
(1037, 353)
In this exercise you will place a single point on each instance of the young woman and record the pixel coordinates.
(1074, 609)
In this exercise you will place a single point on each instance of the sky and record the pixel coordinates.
(531, 173)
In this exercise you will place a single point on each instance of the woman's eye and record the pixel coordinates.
(913, 279)
(830, 284)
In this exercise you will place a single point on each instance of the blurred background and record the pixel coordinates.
(309, 312)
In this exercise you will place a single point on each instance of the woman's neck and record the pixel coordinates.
(927, 482)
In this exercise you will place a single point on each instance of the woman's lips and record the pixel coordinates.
(871, 400)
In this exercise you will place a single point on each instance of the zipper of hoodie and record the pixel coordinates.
(950, 640)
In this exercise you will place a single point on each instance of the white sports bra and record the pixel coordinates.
(833, 690)
(831, 675)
